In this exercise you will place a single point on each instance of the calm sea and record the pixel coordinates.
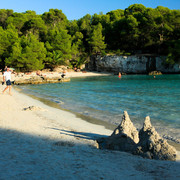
(105, 98)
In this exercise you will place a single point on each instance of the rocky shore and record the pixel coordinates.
(39, 80)
(43, 77)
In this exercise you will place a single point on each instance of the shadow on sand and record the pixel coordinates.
(27, 156)
(82, 135)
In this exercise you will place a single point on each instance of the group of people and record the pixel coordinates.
(7, 78)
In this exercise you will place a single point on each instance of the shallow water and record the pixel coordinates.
(106, 98)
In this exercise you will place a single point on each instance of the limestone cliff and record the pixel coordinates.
(131, 64)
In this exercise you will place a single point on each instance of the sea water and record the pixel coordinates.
(106, 97)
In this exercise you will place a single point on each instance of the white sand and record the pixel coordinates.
(48, 143)
(86, 74)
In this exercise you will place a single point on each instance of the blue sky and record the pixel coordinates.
(75, 9)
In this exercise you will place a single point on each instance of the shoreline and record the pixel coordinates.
(47, 142)
(93, 120)
(109, 126)
(50, 77)
(88, 119)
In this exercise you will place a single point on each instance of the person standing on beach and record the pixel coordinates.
(7, 78)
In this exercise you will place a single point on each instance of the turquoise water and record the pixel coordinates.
(106, 98)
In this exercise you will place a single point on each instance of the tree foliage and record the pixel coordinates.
(29, 41)
(96, 40)
(28, 54)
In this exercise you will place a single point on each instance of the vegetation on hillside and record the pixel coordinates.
(31, 42)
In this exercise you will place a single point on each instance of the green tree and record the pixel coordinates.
(146, 27)
(135, 9)
(28, 54)
(77, 44)
(17, 20)
(7, 39)
(30, 15)
(72, 27)
(163, 26)
(85, 28)
(125, 34)
(78, 52)
(55, 59)
(96, 40)
(96, 18)
(135, 29)
(54, 18)
(14, 59)
(34, 53)
(58, 42)
(116, 15)
(4, 44)
(37, 27)
(175, 21)
(4, 14)
(173, 52)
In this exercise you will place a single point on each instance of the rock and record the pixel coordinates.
(40, 80)
(124, 137)
(155, 73)
(46, 70)
(60, 68)
(134, 64)
(151, 145)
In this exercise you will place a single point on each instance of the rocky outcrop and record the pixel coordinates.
(146, 143)
(37, 77)
(155, 73)
(39, 80)
(137, 64)
(152, 145)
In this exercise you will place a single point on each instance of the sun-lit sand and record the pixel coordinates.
(43, 142)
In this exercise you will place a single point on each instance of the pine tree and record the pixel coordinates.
(27, 55)
(97, 40)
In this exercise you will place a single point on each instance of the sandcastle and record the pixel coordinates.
(146, 143)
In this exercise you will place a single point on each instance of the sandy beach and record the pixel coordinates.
(42, 142)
